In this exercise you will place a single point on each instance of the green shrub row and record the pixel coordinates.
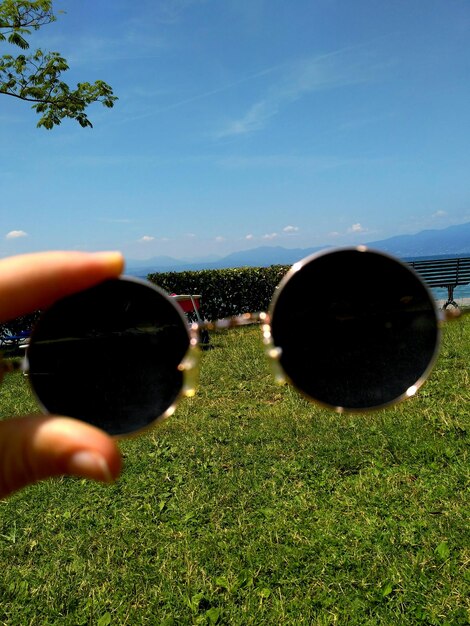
(225, 292)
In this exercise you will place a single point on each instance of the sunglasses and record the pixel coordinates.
(351, 329)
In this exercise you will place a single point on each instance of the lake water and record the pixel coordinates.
(462, 291)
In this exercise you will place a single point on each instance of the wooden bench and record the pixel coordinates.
(447, 273)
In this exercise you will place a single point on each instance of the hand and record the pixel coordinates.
(36, 447)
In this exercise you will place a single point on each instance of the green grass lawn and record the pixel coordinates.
(252, 506)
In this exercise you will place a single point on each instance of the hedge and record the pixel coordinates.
(225, 292)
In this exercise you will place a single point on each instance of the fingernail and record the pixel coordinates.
(111, 257)
(90, 465)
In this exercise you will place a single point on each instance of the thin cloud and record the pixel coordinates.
(291, 229)
(115, 220)
(318, 73)
(16, 234)
(146, 239)
(170, 11)
(440, 214)
(206, 94)
(110, 49)
(315, 163)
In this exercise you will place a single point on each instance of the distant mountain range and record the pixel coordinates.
(452, 241)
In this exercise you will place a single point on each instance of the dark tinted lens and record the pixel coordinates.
(109, 356)
(357, 329)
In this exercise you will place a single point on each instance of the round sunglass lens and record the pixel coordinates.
(109, 356)
(357, 329)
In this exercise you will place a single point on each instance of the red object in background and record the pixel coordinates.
(189, 303)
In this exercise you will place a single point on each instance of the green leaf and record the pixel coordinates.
(222, 582)
(387, 589)
(17, 40)
(443, 550)
(195, 601)
(213, 615)
(105, 619)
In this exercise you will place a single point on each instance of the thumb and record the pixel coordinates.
(34, 448)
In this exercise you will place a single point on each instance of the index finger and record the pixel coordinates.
(34, 281)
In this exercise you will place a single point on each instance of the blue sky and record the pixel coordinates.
(243, 123)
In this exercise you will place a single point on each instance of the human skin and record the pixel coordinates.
(36, 447)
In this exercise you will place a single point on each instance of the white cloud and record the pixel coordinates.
(291, 229)
(250, 236)
(440, 214)
(219, 239)
(16, 234)
(270, 236)
(357, 228)
(146, 238)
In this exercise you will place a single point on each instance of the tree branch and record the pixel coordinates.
(36, 77)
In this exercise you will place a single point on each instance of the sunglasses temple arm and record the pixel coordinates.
(232, 322)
